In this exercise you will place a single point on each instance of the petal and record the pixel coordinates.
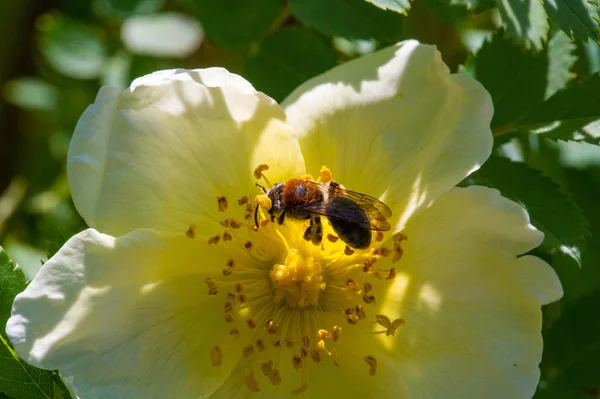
(158, 155)
(394, 124)
(126, 317)
(471, 304)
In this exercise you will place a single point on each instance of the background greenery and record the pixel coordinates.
(538, 58)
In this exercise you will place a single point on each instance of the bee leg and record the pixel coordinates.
(317, 236)
(281, 218)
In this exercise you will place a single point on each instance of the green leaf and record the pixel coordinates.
(399, 6)
(515, 78)
(32, 94)
(18, 379)
(353, 19)
(577, 102)
(236, 23)
(550, 209)
(120, 9)
(577, 18)
(70, 47)
(287, 59)
(525, 21)
(560, 62)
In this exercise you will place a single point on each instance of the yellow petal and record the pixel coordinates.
(394, 124)
(158, 155)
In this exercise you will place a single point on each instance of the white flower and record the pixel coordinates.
(181, 298)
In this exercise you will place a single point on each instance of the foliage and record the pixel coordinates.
(539, 60)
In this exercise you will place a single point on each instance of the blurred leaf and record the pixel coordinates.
(70, 47)
(560, 62)
(550, 209)
(236, 23)
(525, 21)
(352, 19)
(515, 78)
(354, 48)
(577, 18)
(31, 94)
(162, 35)
(559, 389)
(578, 101)
(18, 379)
(572, 342)
(287, 59)
(399, 6)
(116, 70)
(120, 9)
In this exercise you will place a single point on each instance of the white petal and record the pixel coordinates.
(126, 318)
(394, 124)
(159, 154)
(471, 305)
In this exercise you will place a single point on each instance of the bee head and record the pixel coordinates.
(275, 194)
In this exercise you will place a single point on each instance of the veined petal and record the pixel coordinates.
(471, 305)
(394, 124)
(159, 154)
(126, 317)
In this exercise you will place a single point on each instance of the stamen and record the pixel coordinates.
(300, 390)
(260, 345)
(214, 240)
(297, 362)
(372, 362)
(251, 381)
(227, 236)
(191, 231)
(248, 350)
(243, 200)
(222, 202)
(390, 326)
(336, 333)
(332, 238)
(348, 251)
(216, 356)
(259, 169)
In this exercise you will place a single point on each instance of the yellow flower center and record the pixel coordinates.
(281, 290)
(298, 281)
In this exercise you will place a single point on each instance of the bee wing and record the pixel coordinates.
(375, 210)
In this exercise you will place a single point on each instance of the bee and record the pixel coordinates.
(352, 215)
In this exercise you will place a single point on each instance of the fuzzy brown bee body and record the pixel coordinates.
(352, 215)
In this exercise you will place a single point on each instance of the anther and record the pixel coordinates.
(227, 272)
(289, 342)
(297, 362)
(305, 341)
(398, 254)
(224, 223)
(234, 224)
(277, 343)
(315, 355)
(242, 298)
(392, 274)
(209, 282)
(227, 236)
(264, 222)
(259, 169)
(320, 345)
(379, 236)
(332, 238)
(348, 311)
(372, 362)
(267, 368)
(348, 251)
(230, 295)
(214, 240)
(191, 231)
(222, 202)
(323, 334)
(271, 327)
(213, 291)
(367, 287)
(228, 317)
(250, 323)
(325, 174)
(234, 331)
(390, 326)
(353, 285)
(336, 333)
(251, 381)
(230, 263)
(360, 312)
(228, 306)
(243, 200)
(382, 251)
(239, 287)
(260, 345)
(216, 356)
(248, 350)
(275, 377)
(303, 352)
(300, 390)
(368, 298)
(352, 319)
(248, 245)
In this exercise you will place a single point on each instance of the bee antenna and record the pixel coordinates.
(262, 187)
(256, 216)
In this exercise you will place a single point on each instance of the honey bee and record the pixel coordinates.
(352, 215)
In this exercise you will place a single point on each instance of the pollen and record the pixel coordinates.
(264, 201)
(298, 280)
(222, 203)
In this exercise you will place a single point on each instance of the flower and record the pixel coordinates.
(180, 296)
